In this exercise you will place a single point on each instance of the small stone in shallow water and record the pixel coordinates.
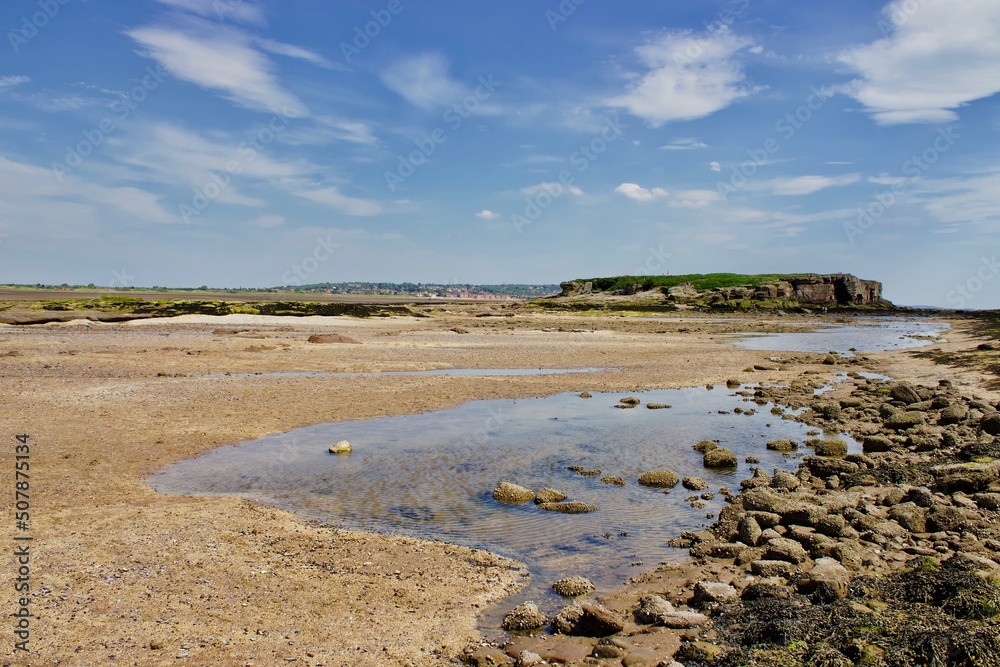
(613, 480)
(573, 587)
(512, 494)
(663, 479)
(342, 447)
(706, 446)
(720, 458)
(694, 483)
(831, 447)
(523, 618)
(549, 496)
(585, 394)
(571, 507)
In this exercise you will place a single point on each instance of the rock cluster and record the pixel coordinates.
(852, 558)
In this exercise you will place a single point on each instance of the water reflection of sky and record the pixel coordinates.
(872, 336)
(430, 475)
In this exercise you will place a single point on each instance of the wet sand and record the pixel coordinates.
(119, 570)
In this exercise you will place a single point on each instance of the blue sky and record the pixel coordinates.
(238, 142)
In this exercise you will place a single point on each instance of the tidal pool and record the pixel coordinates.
(457, 372)
(431, 475)
(868, 335)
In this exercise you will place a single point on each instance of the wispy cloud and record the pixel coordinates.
(173, 155)
(806, 185)
(966, 199)
(11, 81)
(28, 193)
(685, 144)
(694, 198)
(687, 76)
(333, 198)
(423, 81)
(551, 187)
(639, 193)
(238, 11)
(267, 221)
(939, 56)
(220, 59)
(292, 51)
(487, 214)
(328, 130)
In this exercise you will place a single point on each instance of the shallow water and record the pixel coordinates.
(431, 475)
(869, 335)
(461, 372)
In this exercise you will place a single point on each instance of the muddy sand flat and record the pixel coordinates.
(123, 575)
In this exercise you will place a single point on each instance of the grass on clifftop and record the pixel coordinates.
(700, 281)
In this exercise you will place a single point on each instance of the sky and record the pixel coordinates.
(249, 143)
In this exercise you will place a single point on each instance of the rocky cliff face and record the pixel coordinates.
(834, 289)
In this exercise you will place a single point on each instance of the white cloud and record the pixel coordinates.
(11, 81)
(553, 188)
(423, 81)
(885, 179)
(240, 11)
(688, 76)
(806, 185)
(715, 166)
(639, 193)
(267, 221)
(222, 60)
(685, 144)
(328, 130)
(969, 198)
(176, 156)
(292, 51)
(939, 56)
(716, 237)
(333, 198)
(29, 194)
(487, 214)
(694, 198)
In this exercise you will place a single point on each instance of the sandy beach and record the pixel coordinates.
(123, 575)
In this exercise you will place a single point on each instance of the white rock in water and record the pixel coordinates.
(342, 447)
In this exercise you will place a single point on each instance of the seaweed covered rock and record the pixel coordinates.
(661, 479)
(548, 495)
(905, 420)
(720, 457)
(704, 446)
(573, 587)
(782, 548)
(904, 393)
(524, 617)
(571, 507)
(694, 484)
(758, 479)
(512, 494)
(782, 445)
(831, 447)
